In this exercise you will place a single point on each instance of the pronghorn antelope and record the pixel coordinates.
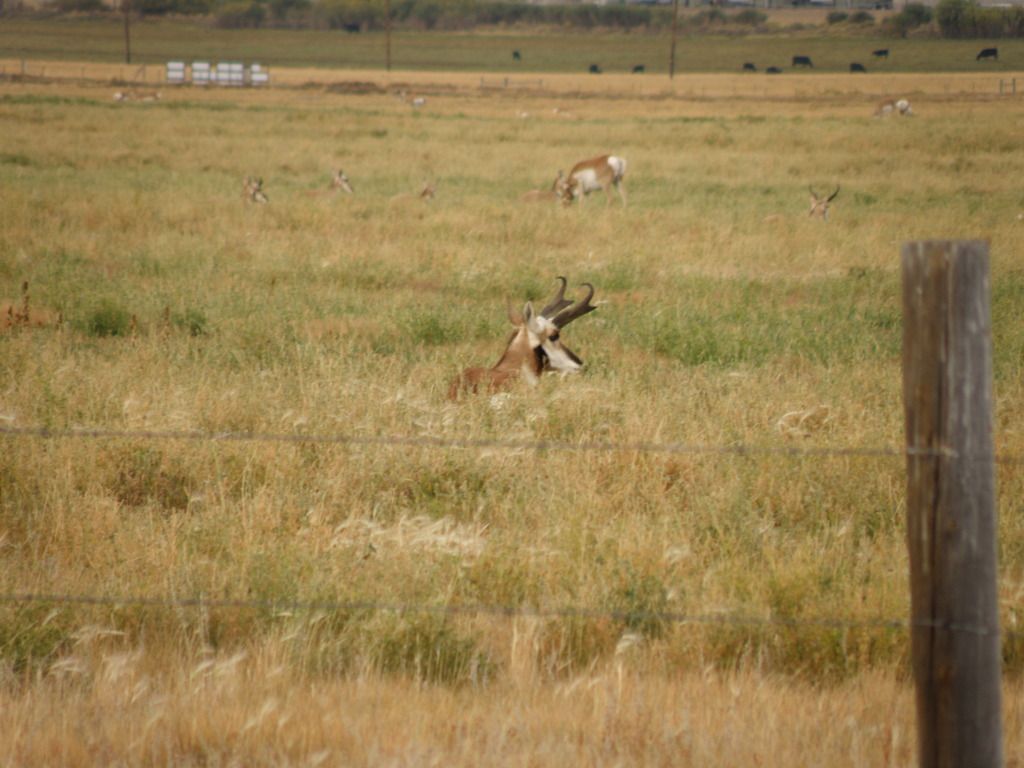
(588, 176)
(554, 194)
(889, 106)
(137, 96)
(426, 194)
(534, 347)
(820, 203)
(253, 190)
(340, 182)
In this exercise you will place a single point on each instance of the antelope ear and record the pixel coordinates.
(528, 311)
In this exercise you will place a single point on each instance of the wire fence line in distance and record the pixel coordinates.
(421, 441)
(287, 607)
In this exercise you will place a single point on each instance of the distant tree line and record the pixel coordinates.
(967, 19)
(951, 18)
(365, 15)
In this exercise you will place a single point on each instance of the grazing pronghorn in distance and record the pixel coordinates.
(534, 347)
(588, 176)
(426, 194)
(820, 203)
(253, 190)
(554, 194)
(890, 106)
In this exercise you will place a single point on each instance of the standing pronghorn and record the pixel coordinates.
(555, 193)
(534, 347)
(820, 203)
(252, 190)
(602, 172)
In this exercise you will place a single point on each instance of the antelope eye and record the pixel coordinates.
(554, 336)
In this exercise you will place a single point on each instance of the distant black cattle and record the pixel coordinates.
(594, 69)
(773, 71)
(987, 53)
(516, 56)
(352, 28)
(748, 66)
(639, 69)
(802, 61)
(881, 53)
(856, 67)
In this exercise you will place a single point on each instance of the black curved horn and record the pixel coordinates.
(559, 302)
(578, 309)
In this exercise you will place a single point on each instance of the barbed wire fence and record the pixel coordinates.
(284, 607)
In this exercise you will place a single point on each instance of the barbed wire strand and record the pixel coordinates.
(420, 441)
(287, 607)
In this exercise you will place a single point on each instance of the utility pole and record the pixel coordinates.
(387, 34)
(126, 6)
(672, 50)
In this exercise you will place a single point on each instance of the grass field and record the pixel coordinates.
(160, 301)
(157, 41)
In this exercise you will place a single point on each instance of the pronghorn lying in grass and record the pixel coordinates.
(588, 176)
(555, 193)
(534, 347)
(339, 183)
(890, 106)
(426, 194)
(137, 96)
(252, 190)
(820, 203)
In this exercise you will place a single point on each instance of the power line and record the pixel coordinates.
(285, 607)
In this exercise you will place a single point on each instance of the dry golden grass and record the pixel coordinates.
(725, 311)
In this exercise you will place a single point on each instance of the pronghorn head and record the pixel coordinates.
(820, 203)
(544, 329)
(253, 190)
(563, 188)
(340, 181)
(428, 191)
(568, 190)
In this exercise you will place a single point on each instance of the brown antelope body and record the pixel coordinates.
(820, 203)
(252, 190)
(554, 194)
(534, 347)
(597, 173)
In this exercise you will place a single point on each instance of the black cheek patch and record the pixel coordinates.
(542, 357)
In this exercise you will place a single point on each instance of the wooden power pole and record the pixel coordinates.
(951, 518)
(672, 48)
(126, 7)
(387, 34)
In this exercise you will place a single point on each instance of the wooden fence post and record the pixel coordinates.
(951, 521)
